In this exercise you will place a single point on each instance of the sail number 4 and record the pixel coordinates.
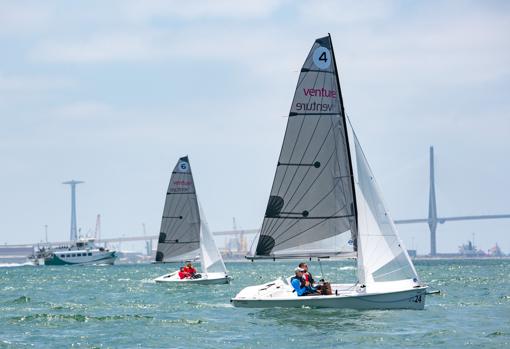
(322, 57)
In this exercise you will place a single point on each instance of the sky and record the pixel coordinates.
(113, 93)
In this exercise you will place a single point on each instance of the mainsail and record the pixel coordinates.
(382, 256)
(312, 209)
(179, 237)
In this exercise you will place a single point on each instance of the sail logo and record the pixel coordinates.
(319, 92)
(314, 106)
(183, 182)
(321, 57)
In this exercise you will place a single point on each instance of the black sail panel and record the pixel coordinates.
(179, 237)
(311, 204)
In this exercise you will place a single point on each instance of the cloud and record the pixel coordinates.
(344, 12)
(199, 9)
(84, 110)
(33, 83)
(20, 18)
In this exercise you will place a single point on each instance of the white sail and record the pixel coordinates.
(382, 256)
(179, 237)
(210, 257)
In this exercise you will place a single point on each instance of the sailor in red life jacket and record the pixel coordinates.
(190, 269)
(183, 274)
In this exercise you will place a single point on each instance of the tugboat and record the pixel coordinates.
(83, 251)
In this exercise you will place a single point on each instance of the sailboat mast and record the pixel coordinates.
(344, 118)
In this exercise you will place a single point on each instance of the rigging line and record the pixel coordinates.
(297, 136)
(304, 152)
(306, 192)
(304, 231)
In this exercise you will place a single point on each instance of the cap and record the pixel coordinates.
(299, 269)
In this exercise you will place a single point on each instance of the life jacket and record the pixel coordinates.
(308, 277)
(183, 275)
(190, 270)
(301, 281)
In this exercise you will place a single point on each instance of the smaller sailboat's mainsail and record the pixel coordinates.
(312, 209)
(179, 237)
(210, 257)
(381, 254)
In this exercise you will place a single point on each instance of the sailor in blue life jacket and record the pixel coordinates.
(302, 287)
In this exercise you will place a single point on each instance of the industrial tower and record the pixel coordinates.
(433, 219)
(74, 231)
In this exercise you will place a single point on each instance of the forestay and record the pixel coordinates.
(381, 254)
(179, 237)
(311, 209)
(210, 257)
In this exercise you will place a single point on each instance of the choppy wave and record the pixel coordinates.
(77, 317)
(12, 265)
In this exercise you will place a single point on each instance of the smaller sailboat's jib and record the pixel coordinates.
(179, 237)
(210, 257)
(311, 210)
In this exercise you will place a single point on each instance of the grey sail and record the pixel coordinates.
(311, 209)
(179, 237)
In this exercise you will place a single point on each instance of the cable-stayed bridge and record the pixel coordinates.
(433, 219)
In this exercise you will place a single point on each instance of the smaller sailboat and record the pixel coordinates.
(184, 233)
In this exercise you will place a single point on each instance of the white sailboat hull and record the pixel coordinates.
(279, 294)
(205, 279)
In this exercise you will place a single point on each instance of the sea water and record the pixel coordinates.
(121, 307)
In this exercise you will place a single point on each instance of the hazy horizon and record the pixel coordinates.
(114, 93)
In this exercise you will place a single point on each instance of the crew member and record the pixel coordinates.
(301, 287)
(183, 274)
(190, 269)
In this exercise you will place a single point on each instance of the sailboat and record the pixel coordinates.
(325, 203)
(184, 233)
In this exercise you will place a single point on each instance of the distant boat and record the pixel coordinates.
(184, 233)
(320, 207)
(83, 251)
